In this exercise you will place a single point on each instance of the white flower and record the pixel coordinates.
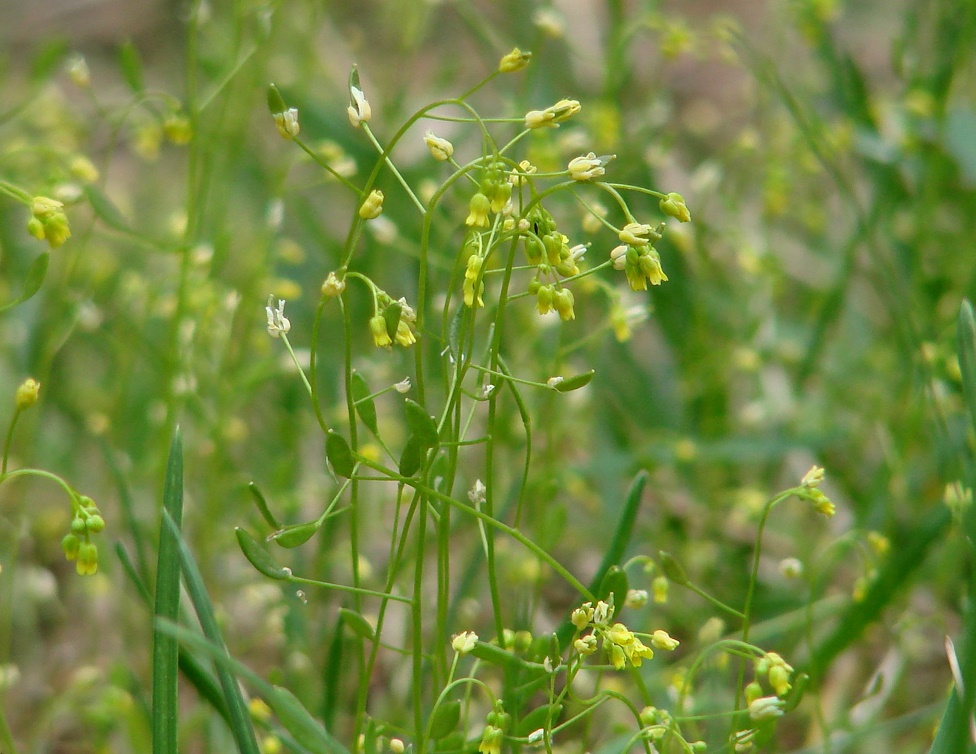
(813, 477)
(589, 166)
(464, 642)
(477, 492)
(619, 257)
(766, 708)
(577, 252)
(287, 123)
(359, 110)
(278, 324)
(403, 386)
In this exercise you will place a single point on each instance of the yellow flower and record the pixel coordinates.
(372, 207)
(478, 209)
(377, 326)
(516, 60)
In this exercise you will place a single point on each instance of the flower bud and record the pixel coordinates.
(440, 149)
(373, 206)
(70, 545)
(673, 205)
(87, 561)
(48, 221)
(478, 209)
(516, 60)
(79, 72)
(177, 128)
(27, 393)
(333, 286)
(359, 111)
(563, 303)
(377, 326)
(544, 298)
(287, 123)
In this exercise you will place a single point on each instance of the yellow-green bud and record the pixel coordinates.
(78, 525)
(48, 221)
(83, 169)
(478, 209)
(563, 303)
(70, 545)
(440, 149)
(78, 72)
(27, 393)
(95, 523)
(673, 205)
(543, 299)
(373, 206)
(753, 692)
(178, 130)
(516, 60)
(377, 326)
(87, 561)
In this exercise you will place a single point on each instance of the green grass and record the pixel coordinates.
(324, 532)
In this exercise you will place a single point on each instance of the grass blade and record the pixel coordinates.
(291, 713)
(165, 654)
(240, 721)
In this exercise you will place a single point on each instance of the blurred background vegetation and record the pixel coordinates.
(827, 151)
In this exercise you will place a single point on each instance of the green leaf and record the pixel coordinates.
(364, 404)
(618, 545)
(541, 717)
(165, 650)
(48, 59)
(966, 344)
(421, 424)
(238, 716)
(614, 583)
(411, 457)
(258, 557)
(105, 210)
(339, 454)
(356, 623)
(33, 281)
(454, 332)
(276, 103)
(296, 534)
(575, 382)
(262, 504)
(291, 713)
(444, 720)
(131, 66)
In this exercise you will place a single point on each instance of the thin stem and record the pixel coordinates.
(8, 440)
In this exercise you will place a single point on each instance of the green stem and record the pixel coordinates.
(7, 441)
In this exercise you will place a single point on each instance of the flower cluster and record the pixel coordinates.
(637, 257)
(392, 321)
(48, 221)
(496, 724)
(77, 544)
(809, 489)
(620, 644)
